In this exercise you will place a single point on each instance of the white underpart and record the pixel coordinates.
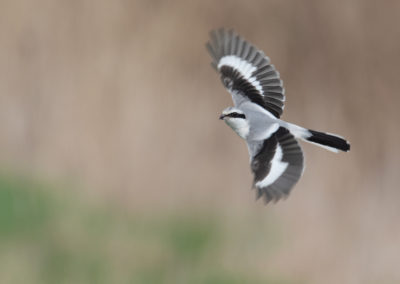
(245, 68)
(239, 125)
(277, 169)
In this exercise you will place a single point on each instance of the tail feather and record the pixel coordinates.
(331, 142)
(328, 140)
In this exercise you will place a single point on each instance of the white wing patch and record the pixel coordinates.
(245, 68)
(238, 61)
(277, 169)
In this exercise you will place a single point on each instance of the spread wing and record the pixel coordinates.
(277, 164)
(246, 72)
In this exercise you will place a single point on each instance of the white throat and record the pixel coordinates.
(239, 125)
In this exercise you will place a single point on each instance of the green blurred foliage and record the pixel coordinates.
(21, 212)
(46, 238)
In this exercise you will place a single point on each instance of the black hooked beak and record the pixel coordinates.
(221, 116)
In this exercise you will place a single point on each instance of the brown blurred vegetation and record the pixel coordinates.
(119, 97)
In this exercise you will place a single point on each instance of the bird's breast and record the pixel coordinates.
(240, 126)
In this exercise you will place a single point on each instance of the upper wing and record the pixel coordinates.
(277, 164)
(246, 72)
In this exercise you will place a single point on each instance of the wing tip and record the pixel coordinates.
(272, 194)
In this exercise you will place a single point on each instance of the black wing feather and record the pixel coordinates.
(271, 95)
(261, 165)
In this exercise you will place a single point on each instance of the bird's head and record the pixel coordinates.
(236, 119)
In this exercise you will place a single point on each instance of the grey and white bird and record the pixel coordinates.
(276, 158)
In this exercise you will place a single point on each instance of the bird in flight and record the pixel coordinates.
(276, 158)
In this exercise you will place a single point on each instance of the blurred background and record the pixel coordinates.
(115, 168)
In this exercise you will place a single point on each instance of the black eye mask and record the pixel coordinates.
(236, 115)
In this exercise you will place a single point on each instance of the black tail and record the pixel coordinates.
(328, 140)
